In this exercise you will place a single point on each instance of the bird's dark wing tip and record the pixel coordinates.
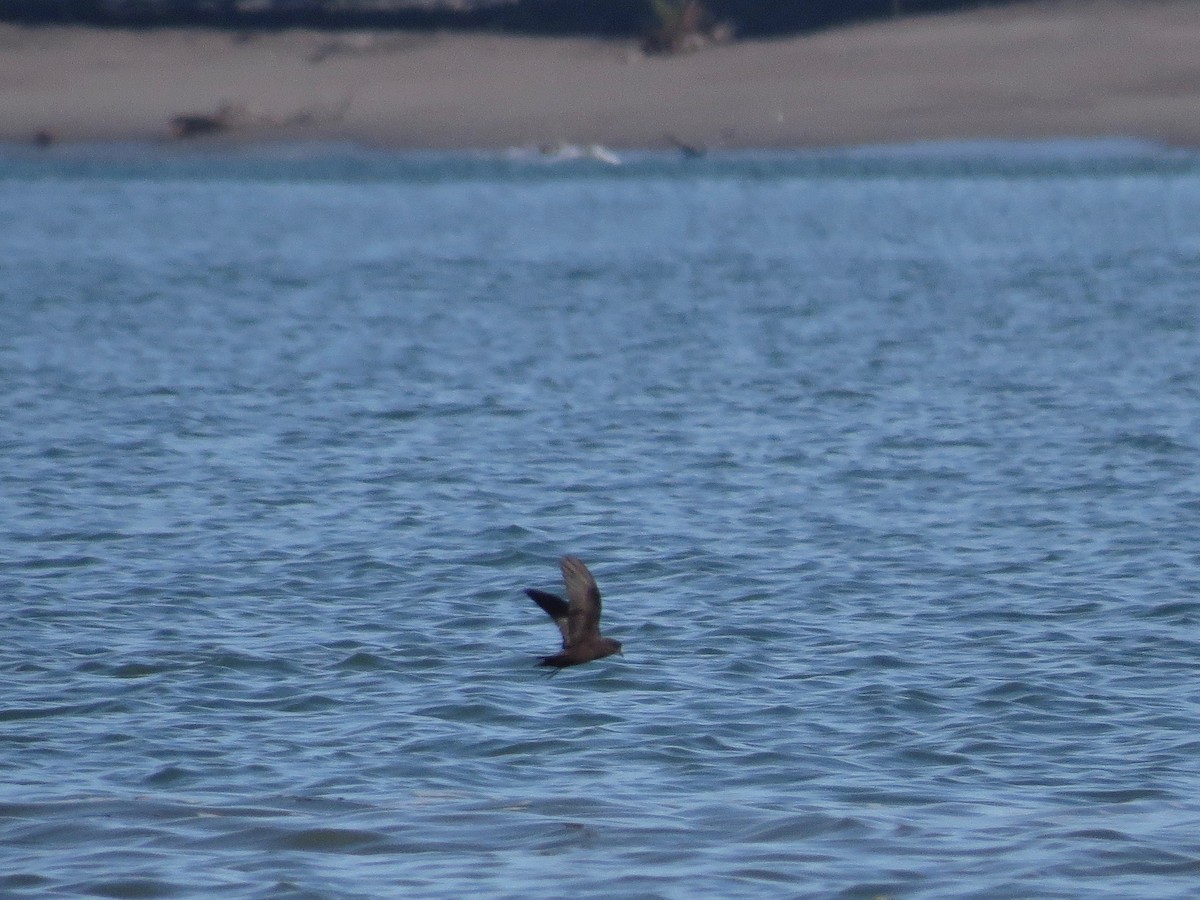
(554, 606)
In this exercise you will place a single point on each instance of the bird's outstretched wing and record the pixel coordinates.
(556, 608)
(583, 608)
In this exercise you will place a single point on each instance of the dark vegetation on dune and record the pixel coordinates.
(665, 25)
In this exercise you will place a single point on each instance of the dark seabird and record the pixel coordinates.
(578, 619)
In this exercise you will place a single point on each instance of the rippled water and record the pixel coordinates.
(886, 463)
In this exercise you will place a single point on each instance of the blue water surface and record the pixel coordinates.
(886, 462)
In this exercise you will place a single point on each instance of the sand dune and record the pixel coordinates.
(1059, 68)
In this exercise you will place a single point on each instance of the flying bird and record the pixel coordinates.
(577, 617)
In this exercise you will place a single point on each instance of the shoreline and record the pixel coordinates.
(1050, 70)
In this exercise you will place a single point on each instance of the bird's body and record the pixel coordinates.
(577, 617)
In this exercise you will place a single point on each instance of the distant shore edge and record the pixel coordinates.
(1047, 69)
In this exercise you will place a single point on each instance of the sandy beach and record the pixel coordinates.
(1053, 69)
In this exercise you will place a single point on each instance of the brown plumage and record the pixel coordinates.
(577, 617)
